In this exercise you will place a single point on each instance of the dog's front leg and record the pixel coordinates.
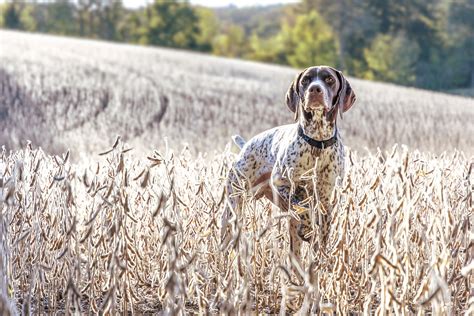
(229, 219)
(302, 207)
(324, 191)
(284, 199)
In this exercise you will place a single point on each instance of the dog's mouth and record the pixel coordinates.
(316, 110)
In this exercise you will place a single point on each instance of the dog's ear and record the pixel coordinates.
(293, 96)
(345, 95)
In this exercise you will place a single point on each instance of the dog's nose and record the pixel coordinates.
(316, 89)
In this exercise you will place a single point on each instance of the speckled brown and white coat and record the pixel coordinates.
(279, 164)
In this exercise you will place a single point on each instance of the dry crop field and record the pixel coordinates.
(132, 226)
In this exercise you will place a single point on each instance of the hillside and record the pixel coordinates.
(67, 93)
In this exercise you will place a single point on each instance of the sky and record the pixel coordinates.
(213, 3)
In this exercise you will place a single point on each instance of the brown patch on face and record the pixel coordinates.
(293, 96)
(335, 83)
(345, 96)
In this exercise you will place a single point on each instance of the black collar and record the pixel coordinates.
(321, 144)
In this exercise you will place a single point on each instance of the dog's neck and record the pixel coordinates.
(316, 125)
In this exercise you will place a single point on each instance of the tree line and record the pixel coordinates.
(427, 44)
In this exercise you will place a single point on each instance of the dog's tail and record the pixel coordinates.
(239, 141)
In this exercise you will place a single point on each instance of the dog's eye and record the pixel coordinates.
(329, 80)
(305, 81)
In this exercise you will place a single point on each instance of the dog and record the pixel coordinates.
(275, 163)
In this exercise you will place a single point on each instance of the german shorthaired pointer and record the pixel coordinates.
(280, 163)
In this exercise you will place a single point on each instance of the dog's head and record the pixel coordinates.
(320, 88)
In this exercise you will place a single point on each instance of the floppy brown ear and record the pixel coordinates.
(345, 96)
(349, 97)
(293, 97)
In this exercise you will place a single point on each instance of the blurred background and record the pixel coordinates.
(425, 44)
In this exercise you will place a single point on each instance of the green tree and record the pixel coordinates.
(85, 18)
(422, 23)
(109, 13)
(170, 23)
(231, 43)
(417, 18)
(27, 18)
(35, 17)
(129, 27)
(11, 16)
(269, 50)
(392, 58)
(352, 25)
(61, 18)
(309, 42)
(460, 42)
(208, 28)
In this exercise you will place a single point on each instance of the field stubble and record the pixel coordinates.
(141, 234)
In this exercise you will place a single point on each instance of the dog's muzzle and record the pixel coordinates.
(317, 97)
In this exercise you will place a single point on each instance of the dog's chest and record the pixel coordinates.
(304, 160)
